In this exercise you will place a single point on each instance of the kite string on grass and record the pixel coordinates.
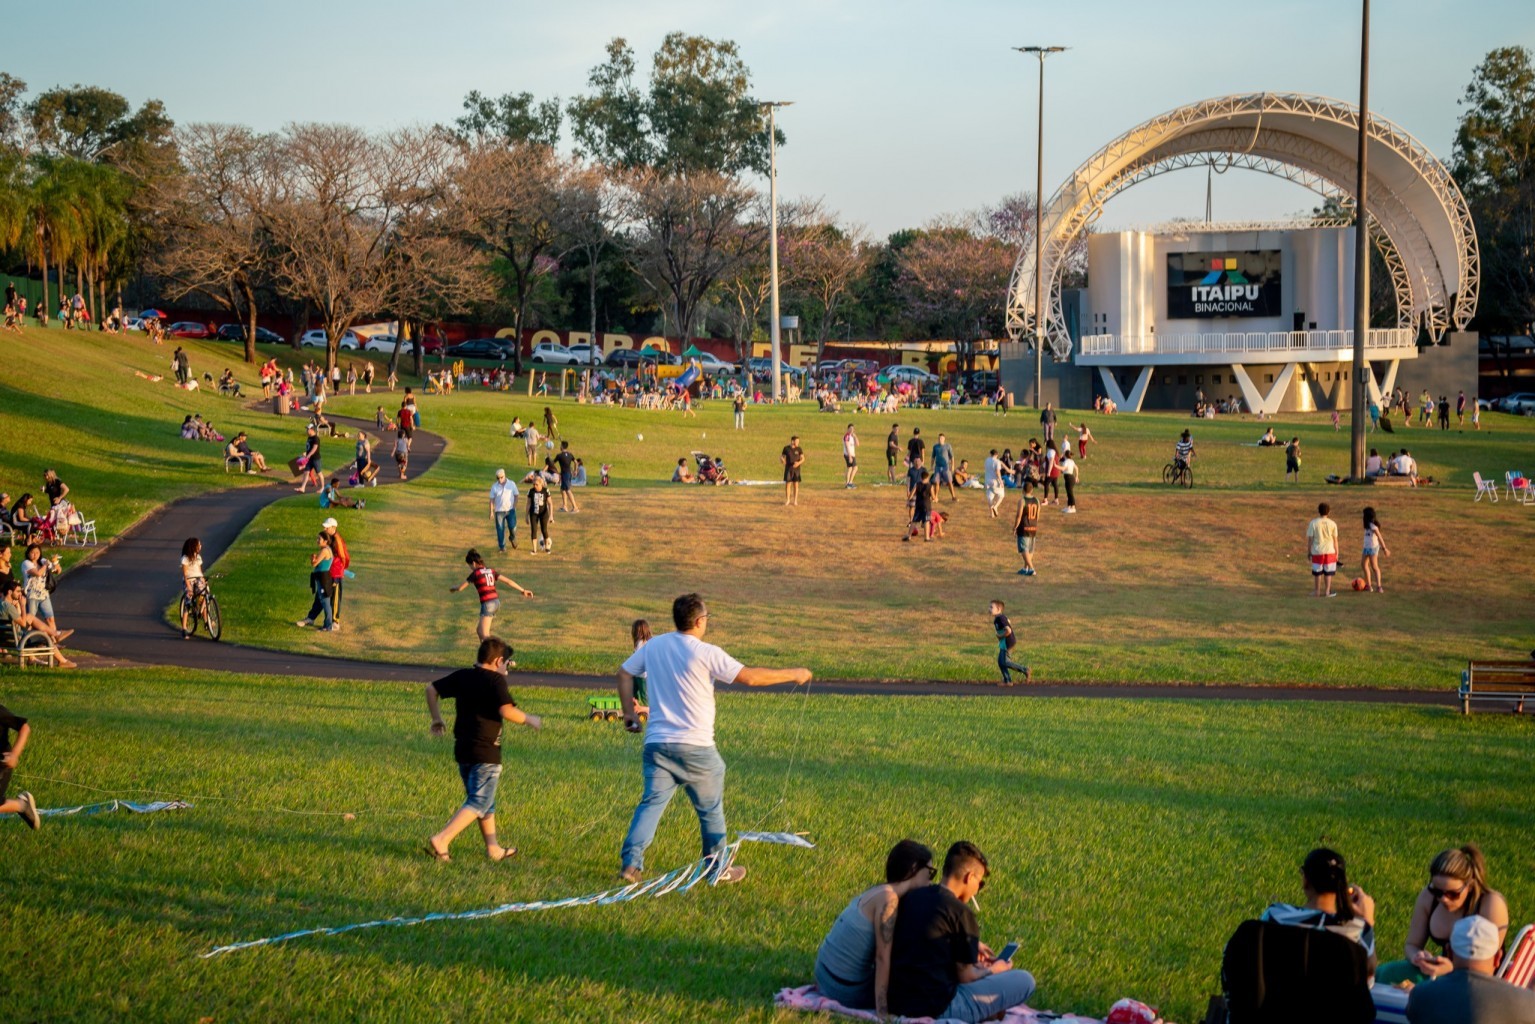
(783, 797)
(235, 803)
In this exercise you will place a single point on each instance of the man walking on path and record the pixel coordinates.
(1047, 422)
(567, 464)
(850, 455)
(1006, 641)
(503, 510)
(892, 450)
(483, 703)
(943, 467)
(792, 457)
(995, 490)
(680, 671)
(1322, 542)
(1026, 527)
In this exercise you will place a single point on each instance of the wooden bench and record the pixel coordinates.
(1497, 681)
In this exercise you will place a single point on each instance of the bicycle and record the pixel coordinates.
(201, 607)
(1177, 473)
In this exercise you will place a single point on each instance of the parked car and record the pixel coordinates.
(316, 339)
(236, 332)
(187, 329)
(711, 363)
(758, 365)
(552, 353)
(979, 382)
(585, 354)
(911, 374)
(133, 323)
(385, 343)
(623, 357)
(1520, 402)
(480, 348)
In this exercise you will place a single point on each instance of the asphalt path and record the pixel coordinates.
(115, 601)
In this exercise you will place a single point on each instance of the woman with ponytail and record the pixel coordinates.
(1457, 888)
(1331, 902)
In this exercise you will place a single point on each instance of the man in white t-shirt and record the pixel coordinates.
(995, 491)
(680, 671)
(850, 455)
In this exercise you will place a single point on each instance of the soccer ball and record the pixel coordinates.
(1359, 583)
(549, 445)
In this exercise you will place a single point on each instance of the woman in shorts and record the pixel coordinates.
(1374, 547)
(484, 579)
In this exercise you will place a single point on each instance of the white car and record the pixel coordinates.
(911, 374)
(133, 323)
(385, 343)
(316, 339)
(584, 354)
(553, 353)
(711, 363)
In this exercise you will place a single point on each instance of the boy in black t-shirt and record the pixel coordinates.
(938, 965)
(23, 806)
(483, 702)
(921, 506)
(1006, 641)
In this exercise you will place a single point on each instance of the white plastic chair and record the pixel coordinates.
(1484, 488)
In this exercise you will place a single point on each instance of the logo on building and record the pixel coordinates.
(1201, 285)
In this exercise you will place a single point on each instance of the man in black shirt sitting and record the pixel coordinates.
(483, 702)
(938, 965)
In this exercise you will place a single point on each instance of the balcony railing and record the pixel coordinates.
(1287, 344)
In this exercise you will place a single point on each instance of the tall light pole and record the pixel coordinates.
(773, 328)
(1039, 209)
(1361, 259)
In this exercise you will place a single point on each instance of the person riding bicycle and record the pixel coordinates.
(192, 578)
(1183, 452)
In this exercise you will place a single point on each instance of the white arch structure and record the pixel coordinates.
(1417, 216)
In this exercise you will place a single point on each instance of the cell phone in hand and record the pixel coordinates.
(1008, 952)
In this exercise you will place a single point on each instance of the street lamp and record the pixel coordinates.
(1039, 208)
(1361, 260)
(773, 328)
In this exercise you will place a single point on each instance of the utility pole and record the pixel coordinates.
(1039, 208)
(1361, 261)
(773, 328)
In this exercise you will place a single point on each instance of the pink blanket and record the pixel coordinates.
(806, 998)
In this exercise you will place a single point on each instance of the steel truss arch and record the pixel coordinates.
(1416, 216)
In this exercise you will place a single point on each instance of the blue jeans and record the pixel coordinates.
(320, 584)
(506, 526)
(1006, 663)
(990, 997)
(480, 781)
(700, 771)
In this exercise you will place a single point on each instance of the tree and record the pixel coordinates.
(1494, 163)
(505, 202)
(13, 119)
(591, 208)
(510, 118)
(83, 121)
(697, 115)
(954, 281)
(825, 261)
(686, 237)
(744, 290)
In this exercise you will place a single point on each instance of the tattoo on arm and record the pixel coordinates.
(887, 921)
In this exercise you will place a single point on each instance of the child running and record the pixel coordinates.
(23, 806)
(1374, 547)
(484, 579)
(1006, 641)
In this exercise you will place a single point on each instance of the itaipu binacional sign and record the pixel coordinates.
(1204, 285)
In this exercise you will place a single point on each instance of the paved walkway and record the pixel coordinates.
(116, 603)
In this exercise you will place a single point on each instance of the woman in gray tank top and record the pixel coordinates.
(853, 963)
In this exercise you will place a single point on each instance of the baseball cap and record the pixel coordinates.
(1475, 938)
(329, 524)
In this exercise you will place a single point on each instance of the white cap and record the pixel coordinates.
(329, 524)
(1475, 938)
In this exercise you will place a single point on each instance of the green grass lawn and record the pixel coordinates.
(1146, 584)
(1127, 840)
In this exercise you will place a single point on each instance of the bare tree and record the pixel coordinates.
(591, 213)
(825, 260)
(686, 236)
(505, 200)
(953, 280)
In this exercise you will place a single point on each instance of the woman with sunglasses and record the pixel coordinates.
(1457, 888)
(853, 963)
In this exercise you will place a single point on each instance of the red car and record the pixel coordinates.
(188, 329)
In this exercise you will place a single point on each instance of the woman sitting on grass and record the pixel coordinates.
(853, 963)
(1457, 888)
(682, 474)
(1331, 902)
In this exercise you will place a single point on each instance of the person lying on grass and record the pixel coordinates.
(483, 703)
(853, 964)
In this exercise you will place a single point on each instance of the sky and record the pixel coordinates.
(903, 111)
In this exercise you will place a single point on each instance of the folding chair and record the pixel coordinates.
(1484, 488)
(1518, 967)
(85, 533)
(1518, 486)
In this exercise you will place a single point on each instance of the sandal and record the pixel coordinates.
(507, 853)
(436, 854)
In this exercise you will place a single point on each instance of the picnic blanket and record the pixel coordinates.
(807, 999)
